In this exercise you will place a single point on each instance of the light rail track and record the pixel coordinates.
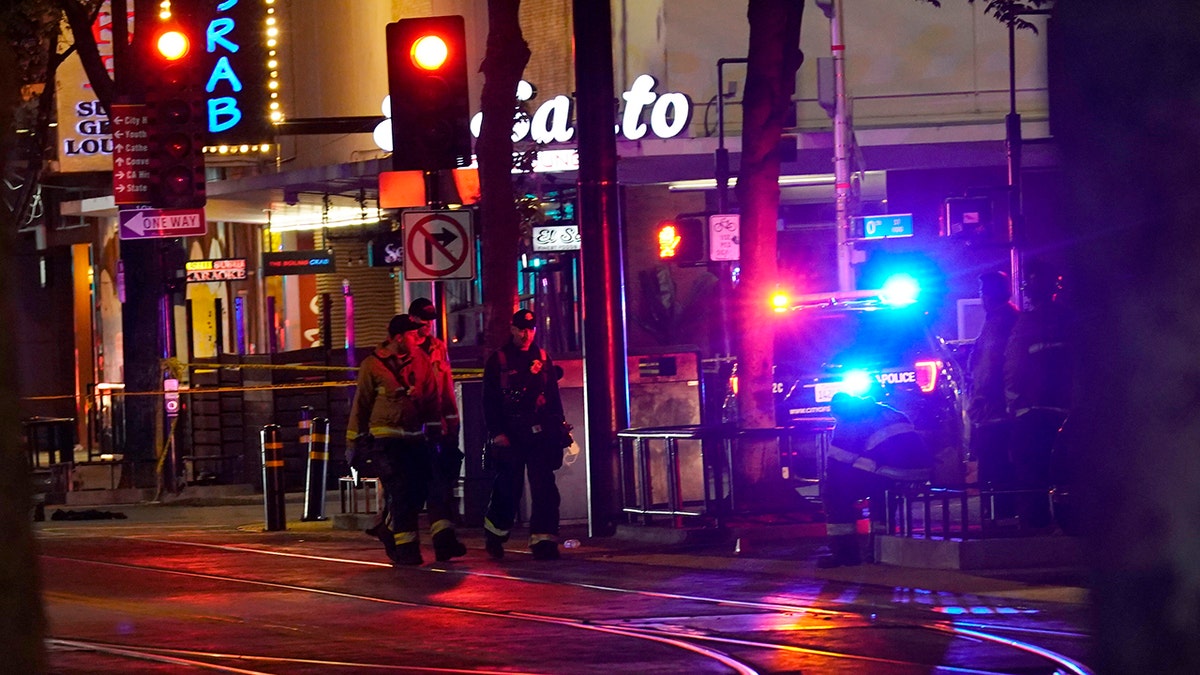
(731, 649)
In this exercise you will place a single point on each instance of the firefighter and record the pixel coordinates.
(447, 460)
(986, 407)
(395, 401)
(1037, 387)
(526, 433)
(874, 450)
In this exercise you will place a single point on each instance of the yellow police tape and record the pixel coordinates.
(458, 373)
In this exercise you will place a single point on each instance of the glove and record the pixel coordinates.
(567, 440)
(358, 449)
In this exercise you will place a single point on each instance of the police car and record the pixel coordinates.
(871, 343)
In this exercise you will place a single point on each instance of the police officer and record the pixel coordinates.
(447, 461)
(874, 449)
(396, 398)
(986, 407)
(1037, 384)
(527, 432)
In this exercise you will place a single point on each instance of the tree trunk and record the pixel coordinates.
(1126, 79)
(773, 58)
(80, 19)
(22, 622)
(500, 226)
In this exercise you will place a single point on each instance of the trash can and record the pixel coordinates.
(54, 436)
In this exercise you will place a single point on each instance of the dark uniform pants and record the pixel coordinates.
(845, 486)
(990, 443)
(447, 464)
(407, 485)
(537, 457)
(1032, 449)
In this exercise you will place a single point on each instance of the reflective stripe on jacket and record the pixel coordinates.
(886, 438)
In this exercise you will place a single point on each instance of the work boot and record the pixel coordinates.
(545, 550)
(384, 535)
(843, 552)
(406, 554)
(446, 546)
(494, 544)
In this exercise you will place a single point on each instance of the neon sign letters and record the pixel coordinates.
(663, 116)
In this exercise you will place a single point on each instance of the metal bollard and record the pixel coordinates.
(305, 425)
(318, 470)
(272, 466)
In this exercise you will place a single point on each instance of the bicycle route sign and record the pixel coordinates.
(724, 234)
(438, 245)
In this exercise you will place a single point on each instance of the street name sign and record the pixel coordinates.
(145, 223)
(887, 226)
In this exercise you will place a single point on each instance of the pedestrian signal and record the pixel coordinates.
(681, 241)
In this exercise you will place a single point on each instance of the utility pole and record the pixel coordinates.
(606, 385)
(841, 146)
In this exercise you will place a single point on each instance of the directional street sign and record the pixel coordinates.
(438, 245)
(142, 223)
(131, 154)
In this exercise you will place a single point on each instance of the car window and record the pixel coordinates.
(821, 339)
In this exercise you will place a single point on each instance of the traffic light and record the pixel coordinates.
(681, 241)
(427, 81)
(175, 107)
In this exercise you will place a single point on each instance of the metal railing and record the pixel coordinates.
(687, 471)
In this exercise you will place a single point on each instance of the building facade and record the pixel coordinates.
(929, 89)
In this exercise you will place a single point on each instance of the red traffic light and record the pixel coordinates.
(172, 44)
(429, 52)
(427, 81)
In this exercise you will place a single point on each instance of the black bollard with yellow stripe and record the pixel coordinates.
(318, 470)
(272, 466)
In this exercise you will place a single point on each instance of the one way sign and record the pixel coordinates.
(146, 223)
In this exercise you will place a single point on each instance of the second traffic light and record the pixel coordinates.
(175, 106)
(427, 82)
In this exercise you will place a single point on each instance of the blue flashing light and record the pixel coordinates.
(856, 382)
(900, 290)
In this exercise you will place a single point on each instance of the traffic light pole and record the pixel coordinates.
(723, 270)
